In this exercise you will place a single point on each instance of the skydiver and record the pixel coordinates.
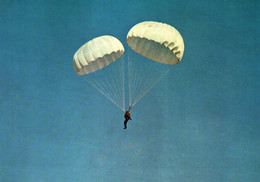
(127, 117)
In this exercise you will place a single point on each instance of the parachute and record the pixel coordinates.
(156, 47)
(92, 61)
(156, 41)
(96, 54)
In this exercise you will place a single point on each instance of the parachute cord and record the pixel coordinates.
(143, 75)
(129, 79)
(101, 82)
(104, 84)
(136, 75)
(110, 82)
(146, 80)
(137, 79)
(149, 88)
(138, 71)
(123, 81)
(92, 79)
(151, 77)
(118, 82)
(151, 83)
(105, 94)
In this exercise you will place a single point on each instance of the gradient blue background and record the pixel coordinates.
(200, 124)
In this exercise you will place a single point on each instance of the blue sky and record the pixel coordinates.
(200, 123)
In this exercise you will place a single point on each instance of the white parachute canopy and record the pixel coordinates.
(96, 54)
(92, 61)
(156, 41)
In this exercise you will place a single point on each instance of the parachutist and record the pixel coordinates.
(127, 117)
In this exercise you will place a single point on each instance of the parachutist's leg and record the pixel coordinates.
(125, 122)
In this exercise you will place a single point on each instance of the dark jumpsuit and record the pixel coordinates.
(127, 117)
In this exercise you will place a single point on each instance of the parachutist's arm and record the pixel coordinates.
(129, 108)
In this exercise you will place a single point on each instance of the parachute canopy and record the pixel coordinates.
(156, 41)
(96, 54)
